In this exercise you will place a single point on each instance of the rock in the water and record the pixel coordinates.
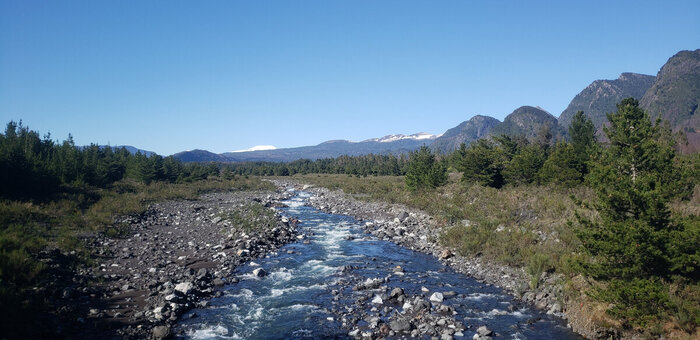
(483, 331)
(436, 297)
(396, 292)
(161, 332)
(259, 272)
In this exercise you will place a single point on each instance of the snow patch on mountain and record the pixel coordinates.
(258, 148)
(394, 138)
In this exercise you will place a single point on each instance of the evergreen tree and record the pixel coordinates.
(424, 172)
(483, 163)
(636, 245)
(525, 165)
(561, 167)
(582, 132)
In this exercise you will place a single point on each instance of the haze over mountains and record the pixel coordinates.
(673, 94)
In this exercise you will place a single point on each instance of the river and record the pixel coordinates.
(308, 290)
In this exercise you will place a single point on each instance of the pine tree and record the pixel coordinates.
(633, 247)
(424, 172)
(483, 163)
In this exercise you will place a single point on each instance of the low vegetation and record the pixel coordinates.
(251, 216)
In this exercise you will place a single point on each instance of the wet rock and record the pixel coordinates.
(436, 297)
(483, 331)
(396, 292)
(259, 272)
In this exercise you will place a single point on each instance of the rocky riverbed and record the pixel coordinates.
(416, 230)
(170, 259)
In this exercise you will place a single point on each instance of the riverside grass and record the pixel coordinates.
(530, 226)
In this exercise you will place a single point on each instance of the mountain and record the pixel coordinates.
(199, 156)
(675, 96)
(133, 150)
(601, 96)
(466, 132)
(392, 144)
(527, 121)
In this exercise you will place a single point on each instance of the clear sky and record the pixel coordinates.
(169, 76)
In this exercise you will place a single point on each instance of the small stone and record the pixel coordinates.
(436, 297)
(483, 331)
(184, 287)
(396, 292)
(161, 332)
(445, 254)
(400, 325)
(259, 272)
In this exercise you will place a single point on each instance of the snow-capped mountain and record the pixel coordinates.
(391, 144)
(392, 138)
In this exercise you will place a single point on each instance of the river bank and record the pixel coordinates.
(416, 230)
(170, 259)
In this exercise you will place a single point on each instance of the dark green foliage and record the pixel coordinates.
(424, 172)
(582, 133)
(562, 167)
(636, 245)
(567, 164)
(365, 165)
(35, 168)
(525, 165)
(483, 163)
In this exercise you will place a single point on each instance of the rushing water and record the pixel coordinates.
(295, 299)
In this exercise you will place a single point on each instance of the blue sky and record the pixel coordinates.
(169, 76)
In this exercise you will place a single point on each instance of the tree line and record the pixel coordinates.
(365, 165)
(32, 167)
